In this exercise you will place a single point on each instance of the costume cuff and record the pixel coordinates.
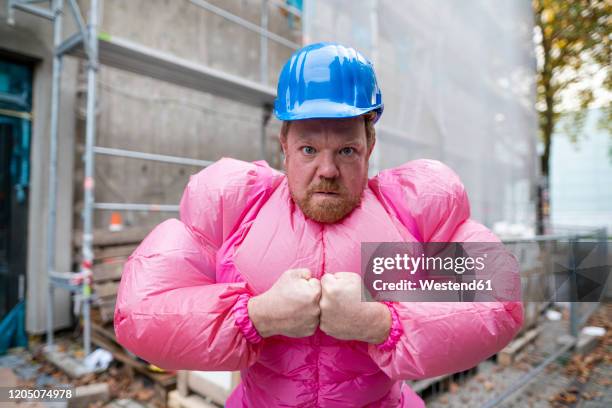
(243, 321)
(395, 332)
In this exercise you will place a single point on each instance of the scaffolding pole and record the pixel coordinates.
(244, 23)
(88, 183)
(263, 71)
(263, 45)
(52, 213)
(109, 151)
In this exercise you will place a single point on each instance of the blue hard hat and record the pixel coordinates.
(327, 80)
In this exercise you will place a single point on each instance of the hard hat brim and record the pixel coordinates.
(325, 109)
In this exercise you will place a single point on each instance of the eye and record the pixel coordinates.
(308, 150)
(347, 151)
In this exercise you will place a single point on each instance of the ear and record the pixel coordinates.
(371, 149)
(283, 143)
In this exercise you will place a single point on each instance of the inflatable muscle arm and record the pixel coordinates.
(170, 311)
(439, 338)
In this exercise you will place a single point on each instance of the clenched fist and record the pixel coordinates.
(343, 314)
(289, 308)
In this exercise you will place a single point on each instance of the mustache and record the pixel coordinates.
(326, 186)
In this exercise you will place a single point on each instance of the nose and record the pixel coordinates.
(328, 167)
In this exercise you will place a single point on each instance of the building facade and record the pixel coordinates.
(457, 82)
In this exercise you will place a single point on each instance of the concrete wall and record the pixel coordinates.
(31, 36)
(140, 113)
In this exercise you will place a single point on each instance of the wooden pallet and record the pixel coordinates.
(508, 354)
(106, 279)
(105, 337)
(111, 251)
(105, 238)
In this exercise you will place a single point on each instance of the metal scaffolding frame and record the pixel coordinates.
(97, 49)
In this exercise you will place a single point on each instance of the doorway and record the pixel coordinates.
(15, 139)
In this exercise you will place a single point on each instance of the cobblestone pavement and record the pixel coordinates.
(570, 381)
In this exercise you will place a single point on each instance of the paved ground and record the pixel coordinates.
(581, 381)
(571, 381)
(31, 370)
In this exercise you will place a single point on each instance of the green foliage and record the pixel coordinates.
(573, 43)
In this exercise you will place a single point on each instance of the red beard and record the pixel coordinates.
(328, 210)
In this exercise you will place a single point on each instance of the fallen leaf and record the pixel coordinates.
(144, 394)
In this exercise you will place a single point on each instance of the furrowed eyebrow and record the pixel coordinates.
(304, 138)
(354, 141)
(309, 137)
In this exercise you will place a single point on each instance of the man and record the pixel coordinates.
(261, 273)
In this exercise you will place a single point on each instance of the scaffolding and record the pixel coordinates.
(97, 48)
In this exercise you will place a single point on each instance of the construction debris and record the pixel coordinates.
(125, 403)
(7, 378)
(118, 386)
(509, 353)
(99, 359)
(73, 365)
(593, 359)
(176, 400)
(85, 395)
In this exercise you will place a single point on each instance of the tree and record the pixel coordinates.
(572, 42)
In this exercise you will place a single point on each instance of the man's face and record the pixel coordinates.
(327, 166)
